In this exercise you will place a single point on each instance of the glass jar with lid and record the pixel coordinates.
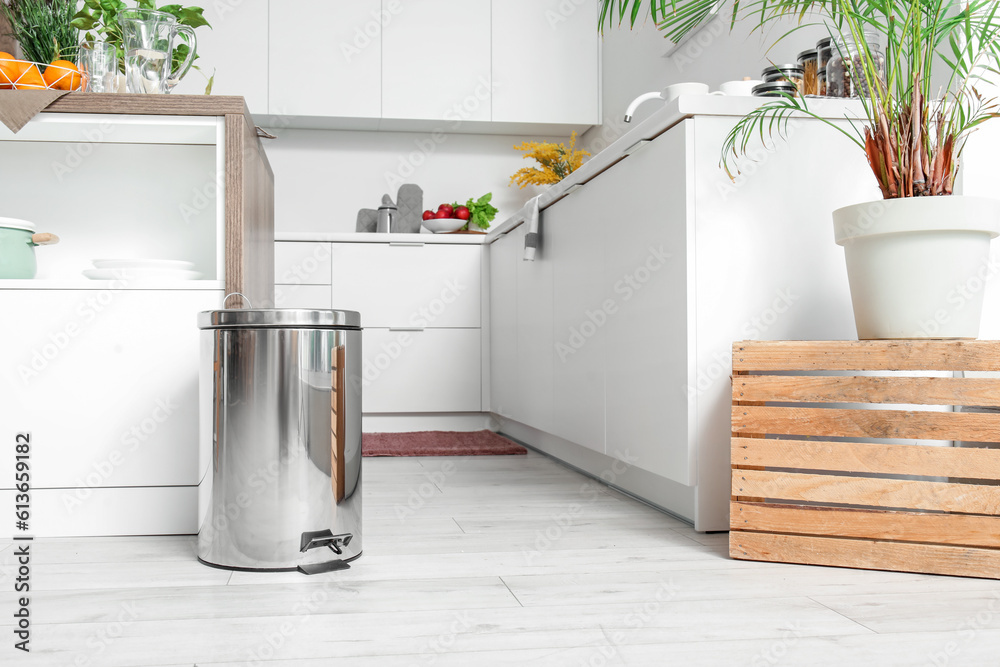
(790, 73)
(775, 89)
(824, 51)
(808, 62)
(845, 73)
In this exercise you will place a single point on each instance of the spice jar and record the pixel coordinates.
(787, 73)
(775, 89)
(824, 51)
(845, 73)
(821, 82)
(808, 62)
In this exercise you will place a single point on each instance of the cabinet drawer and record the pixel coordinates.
(302, 296)
(297, 263)
(434, 370)
(409, 285)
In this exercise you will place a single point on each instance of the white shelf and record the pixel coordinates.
(118, 129)
(113, 285)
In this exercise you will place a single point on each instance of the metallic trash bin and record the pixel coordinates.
(280, 432)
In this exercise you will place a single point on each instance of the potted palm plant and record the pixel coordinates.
(916, 259)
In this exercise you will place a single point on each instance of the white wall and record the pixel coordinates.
(633, 64)
(323, 177)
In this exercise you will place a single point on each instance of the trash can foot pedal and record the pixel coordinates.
(324, 538)
(320, 568)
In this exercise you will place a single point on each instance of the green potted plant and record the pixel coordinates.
(907, 253)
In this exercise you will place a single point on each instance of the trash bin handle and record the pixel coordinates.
(236, 294)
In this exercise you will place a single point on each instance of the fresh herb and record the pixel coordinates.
(43, 28)
(99, 19)
(481, 212)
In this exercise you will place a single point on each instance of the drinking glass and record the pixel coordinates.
(99, 65)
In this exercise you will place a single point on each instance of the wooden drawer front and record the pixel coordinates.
(302, 296)
(816, 483)
(434, 370)
(298, 263)
(405, 285)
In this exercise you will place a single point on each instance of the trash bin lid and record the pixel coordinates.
(278, 318)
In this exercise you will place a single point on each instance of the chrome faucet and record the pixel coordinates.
(655, 95)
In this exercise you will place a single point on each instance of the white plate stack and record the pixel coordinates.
(142, 270)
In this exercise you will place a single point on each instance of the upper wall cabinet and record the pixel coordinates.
(546, 62)
(436, 60)
(235, 48)
(326, 58)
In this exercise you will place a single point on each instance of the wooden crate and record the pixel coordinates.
(809, 484)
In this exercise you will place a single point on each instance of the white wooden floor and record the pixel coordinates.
(507, 561)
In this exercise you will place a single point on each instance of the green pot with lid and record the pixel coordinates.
(17, 248)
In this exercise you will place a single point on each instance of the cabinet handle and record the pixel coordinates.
(401, 244)
(406, 328)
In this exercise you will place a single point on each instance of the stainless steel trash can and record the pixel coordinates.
(280, 439)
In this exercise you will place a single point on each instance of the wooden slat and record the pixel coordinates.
(845, 389)
(965, 462)
(158, 105)
(867, 491)
(961, 529)
(736, 376)
(901, 355)
(866, 554)
(829, 422)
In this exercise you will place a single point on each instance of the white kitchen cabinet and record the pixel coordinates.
(536, 353)
(235, 48)
(436, 60)
(574, 233)
(505, 386)
(557, 78)
(302, 263)
(106, 383)
(409, 284)
(649, 341)
(433, 370)
(325, 58)
(313, 297)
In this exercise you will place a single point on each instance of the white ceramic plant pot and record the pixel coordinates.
(918, 266)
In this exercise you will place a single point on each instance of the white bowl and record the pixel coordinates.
(442, 225)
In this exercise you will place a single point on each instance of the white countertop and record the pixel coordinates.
(370, 237)
(671, 113)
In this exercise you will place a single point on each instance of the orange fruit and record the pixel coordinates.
(62, 75)
(28, 76)
(8, 68)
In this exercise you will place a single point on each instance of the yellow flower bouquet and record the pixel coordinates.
(556, 162)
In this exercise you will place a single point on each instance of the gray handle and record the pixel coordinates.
(226, 298)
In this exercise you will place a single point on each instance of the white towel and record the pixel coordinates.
(531, 239)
